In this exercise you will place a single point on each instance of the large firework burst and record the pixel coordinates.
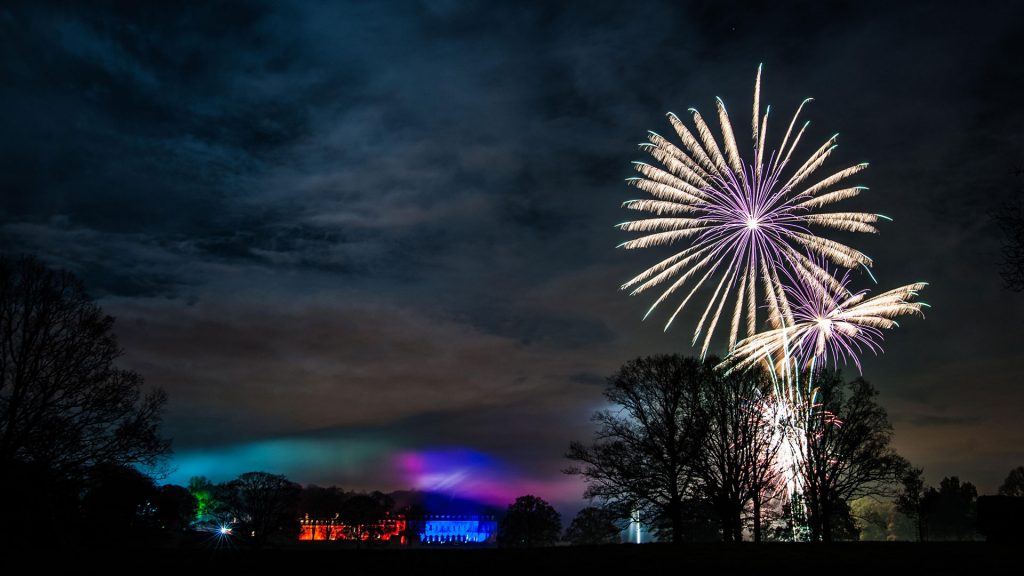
(741, 220)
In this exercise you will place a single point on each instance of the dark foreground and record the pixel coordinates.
(909, 559)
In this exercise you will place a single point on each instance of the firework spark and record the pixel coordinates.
(828, 326)
(747, 230)
(741, 220)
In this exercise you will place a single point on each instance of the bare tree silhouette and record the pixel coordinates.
(646, 449)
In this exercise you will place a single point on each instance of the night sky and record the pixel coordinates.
(372, 244)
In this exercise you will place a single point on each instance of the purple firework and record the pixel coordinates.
(738, 220)
(828, 326)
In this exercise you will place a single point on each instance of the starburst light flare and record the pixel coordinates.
(740, 220)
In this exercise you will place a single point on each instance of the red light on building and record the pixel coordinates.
(381, 531)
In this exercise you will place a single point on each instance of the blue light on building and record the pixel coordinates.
(457, 529)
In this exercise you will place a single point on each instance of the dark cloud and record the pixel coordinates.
(269, 365)
(927, 420)
(319, 216)
(589, 379)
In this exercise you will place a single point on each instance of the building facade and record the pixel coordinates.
(430, 530)
(388, 529)
(440, 529)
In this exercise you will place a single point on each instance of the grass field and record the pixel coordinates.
(875, 558)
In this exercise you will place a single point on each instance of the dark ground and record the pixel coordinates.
(905, 559)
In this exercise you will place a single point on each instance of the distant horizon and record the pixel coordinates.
(452, 472)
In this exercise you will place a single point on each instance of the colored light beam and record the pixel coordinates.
(471, 475)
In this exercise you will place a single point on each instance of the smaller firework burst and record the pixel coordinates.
(829, 326)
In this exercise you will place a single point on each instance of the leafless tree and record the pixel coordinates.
(1009, 218)
(1014, 483)
(737, 464)
(646, 448)
(64, 405)
(264, 505)
(529, 522)
(848, 452)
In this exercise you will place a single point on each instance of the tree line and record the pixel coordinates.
(691, 452)
(71, 422)
(697, 454)
(81, 446)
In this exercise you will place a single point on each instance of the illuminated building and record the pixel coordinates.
(455, 529)
(388, 529)
(432, 530)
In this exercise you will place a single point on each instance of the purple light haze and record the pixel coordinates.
(475, 476)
